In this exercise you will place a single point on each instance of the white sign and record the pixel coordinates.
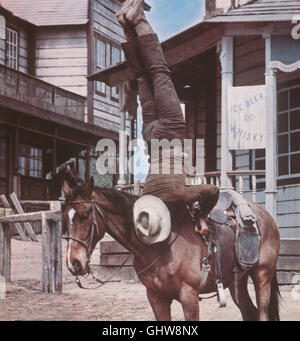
(246, 127)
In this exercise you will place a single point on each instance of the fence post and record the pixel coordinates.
(55, 206)
(52, 252)
(5, 246)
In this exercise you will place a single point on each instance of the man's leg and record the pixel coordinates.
(170, 118)
(145, 86)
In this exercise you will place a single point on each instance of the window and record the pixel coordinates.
(12, 47)
(100, 63)
(107, 54)
(31, 161)
(288, 137)
(115, 59)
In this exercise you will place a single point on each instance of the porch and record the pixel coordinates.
(20, 90)
(41, 127)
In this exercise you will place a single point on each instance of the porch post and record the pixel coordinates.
(271, 133)
(16, 175)
(88, 161)
(226, 58)
(54, 152)
(122, 140)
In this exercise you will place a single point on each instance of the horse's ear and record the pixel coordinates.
(91, 185)
(66, 188)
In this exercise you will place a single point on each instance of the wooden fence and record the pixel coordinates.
(51, 243)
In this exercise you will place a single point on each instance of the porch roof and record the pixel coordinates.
(178, 49)
(50, 12)
(261, 11)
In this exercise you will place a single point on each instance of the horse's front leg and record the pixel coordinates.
(160, 305)
(189, 300)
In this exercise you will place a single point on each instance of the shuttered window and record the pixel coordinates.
(12, 47)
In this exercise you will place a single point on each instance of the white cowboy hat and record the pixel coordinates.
(152, 220)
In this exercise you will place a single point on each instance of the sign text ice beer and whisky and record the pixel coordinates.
(246, 117)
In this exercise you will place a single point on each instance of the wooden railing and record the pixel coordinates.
(31, 90)
(240, 185)
(134, 189)
(212, 178)
(242, 181)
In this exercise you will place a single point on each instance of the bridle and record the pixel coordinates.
(95, 229)
(95, 226)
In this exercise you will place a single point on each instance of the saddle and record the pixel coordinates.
(233, 241)
(233, 209)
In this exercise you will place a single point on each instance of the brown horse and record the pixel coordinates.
(170, 271)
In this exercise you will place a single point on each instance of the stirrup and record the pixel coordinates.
(221, 295)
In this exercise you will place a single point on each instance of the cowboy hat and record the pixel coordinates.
(152, 221)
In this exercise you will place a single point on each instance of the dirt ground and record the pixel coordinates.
(113, 302)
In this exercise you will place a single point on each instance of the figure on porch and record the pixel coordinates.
(162, 115)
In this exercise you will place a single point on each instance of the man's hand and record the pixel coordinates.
(204, 227)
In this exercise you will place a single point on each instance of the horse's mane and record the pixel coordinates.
(122, 200)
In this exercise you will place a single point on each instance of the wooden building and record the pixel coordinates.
(49, 111)
(238, 44)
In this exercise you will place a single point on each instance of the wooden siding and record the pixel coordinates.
(106, 111)
(61, 57)
(288, 210)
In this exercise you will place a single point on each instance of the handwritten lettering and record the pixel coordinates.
(246, 135)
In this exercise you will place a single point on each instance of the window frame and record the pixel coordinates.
(98, 67)
(288, 178)
(37, 160)
(109, 45)
(7, 43)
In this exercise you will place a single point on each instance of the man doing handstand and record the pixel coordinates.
(162, 114)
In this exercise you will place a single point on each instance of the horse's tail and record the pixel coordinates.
(274, 300)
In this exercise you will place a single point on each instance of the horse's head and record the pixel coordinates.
(85, 225)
